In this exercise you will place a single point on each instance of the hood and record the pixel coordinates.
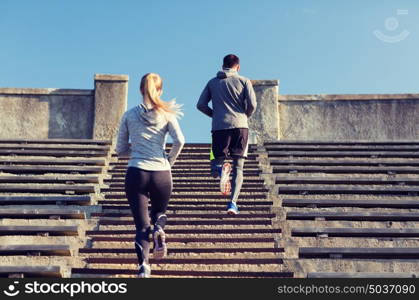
(147, 115)
(226, 73)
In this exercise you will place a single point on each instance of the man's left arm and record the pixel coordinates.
(250, 98)
(203, 101)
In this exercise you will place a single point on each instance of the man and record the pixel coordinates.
(233, 102)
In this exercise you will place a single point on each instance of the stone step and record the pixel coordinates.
(352, 162)
(361, 275)
(192, 145)
(44, 189)
(355, 232)
(180, 273)
(195, 156)
(371, 154)
(181, 164)
(188, 160)
(252, 188)
(4, 146)
(104, 215)
(302, 266)
(30, 271)
(220, 222)
(38, 169)
(351, 148)
(56, 141)
(203, 196)
(192, 227)
(184, 174)
(365, 203)
(188, 163)
(354, 216)
(55, 153)
(346, 180)
(318, 223)
(35, 161)
(41, 213)
(186, 149)
(175, 208)
(187, 250)
(180, 182)
(186, 239)
(198, 202)
(194, 161)
(45, 200)
(204, 177)
(366, 253)
(198, 150)
(293, 244)
(210, 231)
(203, 145)
(347, 142)
(183, 245)
(35, 250)
(349, 243)
(186, 152)
(187, 261)
(197, 188)
(69, 179)
(74, 241)
(344, 189)
(189, 169)
(346, 169)
(39, 230)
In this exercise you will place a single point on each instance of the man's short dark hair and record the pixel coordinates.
(230, 61)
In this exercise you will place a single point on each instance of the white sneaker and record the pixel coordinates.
(160, 247)
(225, 185)
(232, 208)
(144, 271)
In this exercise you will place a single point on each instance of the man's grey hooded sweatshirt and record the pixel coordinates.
(233, 100)
(148, 130)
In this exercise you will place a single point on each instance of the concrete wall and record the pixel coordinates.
(349, 117)
(111, 92)
(27, 113)
(376, 117)
(264, 124)
(65, 113)
(45, 113)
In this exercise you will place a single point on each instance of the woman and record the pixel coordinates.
(148, 175)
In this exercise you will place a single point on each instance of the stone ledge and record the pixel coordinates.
(348, 97)
(48, 91)
(111, 77)
(265, 82)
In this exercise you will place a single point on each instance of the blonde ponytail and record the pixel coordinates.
(151, 86)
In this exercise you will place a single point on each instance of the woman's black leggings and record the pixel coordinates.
(140, 187)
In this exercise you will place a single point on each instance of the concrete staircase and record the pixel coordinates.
(307, 209)
(203, 240)
(48, 190)
(346, 209)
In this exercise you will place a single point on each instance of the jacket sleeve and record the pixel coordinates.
(203, 101)
(250, 98)
(178, 140)
(122, 145)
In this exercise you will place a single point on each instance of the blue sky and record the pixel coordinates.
(311, 46)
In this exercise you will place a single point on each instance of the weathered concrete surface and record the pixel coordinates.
(86, 114)
(64, 113)
(111, 93)
(264, 124)
(46, 113)
(349, 117)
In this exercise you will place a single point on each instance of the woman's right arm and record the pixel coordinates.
(178, 140)
(122, 145)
